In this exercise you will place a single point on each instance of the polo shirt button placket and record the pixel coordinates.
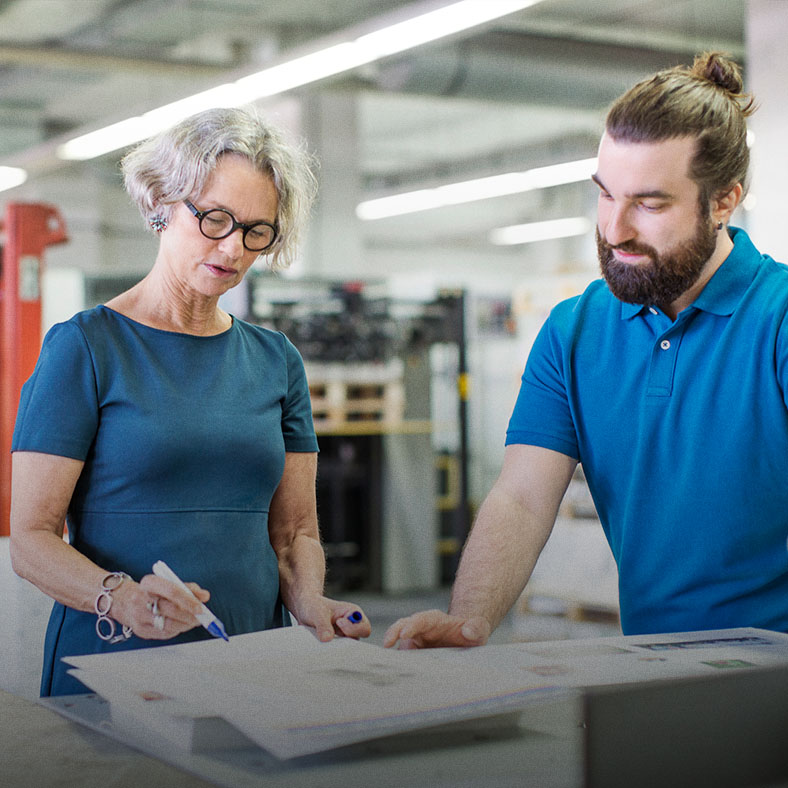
(662, 367)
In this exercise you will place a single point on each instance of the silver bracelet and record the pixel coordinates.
(103, 605)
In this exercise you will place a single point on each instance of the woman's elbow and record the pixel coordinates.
(17, 556)
(22, 552)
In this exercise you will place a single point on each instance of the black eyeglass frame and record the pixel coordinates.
(200, 215)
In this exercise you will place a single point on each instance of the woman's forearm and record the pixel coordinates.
(56, 568)
(302, 571)
(42, 485)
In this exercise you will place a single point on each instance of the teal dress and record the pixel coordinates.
(183, 439)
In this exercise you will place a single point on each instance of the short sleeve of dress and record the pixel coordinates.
(297, 428)
(58, 406)
(542, 416)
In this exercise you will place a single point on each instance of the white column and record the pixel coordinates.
(767, 77)
(333, 248)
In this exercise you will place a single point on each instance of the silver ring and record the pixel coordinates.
(158, 618)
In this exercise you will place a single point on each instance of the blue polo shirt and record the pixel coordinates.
(682, 430)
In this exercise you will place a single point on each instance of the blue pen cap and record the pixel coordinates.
(217, 630)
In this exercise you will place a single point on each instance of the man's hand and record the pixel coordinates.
(435, 629)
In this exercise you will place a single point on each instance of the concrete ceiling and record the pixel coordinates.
(523, 91)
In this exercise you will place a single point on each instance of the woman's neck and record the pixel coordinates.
(155, 303)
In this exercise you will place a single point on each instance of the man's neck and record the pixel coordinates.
(723, 249)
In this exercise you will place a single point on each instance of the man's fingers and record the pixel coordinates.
(433, 628)
(475, 631)
(392, 634)
(406, 628)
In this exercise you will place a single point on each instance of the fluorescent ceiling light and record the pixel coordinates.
(477, 189)
(11, 176)
(343, 56)
(302, 70)
(127, 132)
(109, 138)
(540, 231)
(436, 24)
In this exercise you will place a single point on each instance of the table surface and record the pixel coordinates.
(42, 748)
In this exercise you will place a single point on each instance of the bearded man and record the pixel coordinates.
(667, 380)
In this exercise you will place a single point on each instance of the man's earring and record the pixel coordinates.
(158, 223)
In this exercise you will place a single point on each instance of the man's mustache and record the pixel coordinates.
(632, 248)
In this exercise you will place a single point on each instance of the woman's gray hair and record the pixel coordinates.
(175, 165)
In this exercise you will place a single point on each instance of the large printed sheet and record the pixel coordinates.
(634, 658)
(293, 695)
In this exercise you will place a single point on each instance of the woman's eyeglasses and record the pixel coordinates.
(216, 223)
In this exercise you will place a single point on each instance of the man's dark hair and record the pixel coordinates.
(706, 101)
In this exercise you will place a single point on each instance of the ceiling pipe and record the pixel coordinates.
(527, 69)
(81, 60)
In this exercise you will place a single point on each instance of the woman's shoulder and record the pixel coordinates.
(98, 330)
(84, 322)
(266, 336)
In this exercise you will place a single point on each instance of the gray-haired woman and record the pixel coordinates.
(159, 427)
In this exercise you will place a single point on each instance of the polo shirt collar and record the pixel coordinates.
(726, 288)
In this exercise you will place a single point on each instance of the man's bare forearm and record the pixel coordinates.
(510, 531)
(497, 560)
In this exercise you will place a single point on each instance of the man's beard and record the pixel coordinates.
(665, 277)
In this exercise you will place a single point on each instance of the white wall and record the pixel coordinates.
(767, 76)
(24, 613)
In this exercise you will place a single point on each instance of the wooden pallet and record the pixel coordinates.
(349, 394)
(573, 610)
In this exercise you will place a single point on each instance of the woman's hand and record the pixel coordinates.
(330, 618)
(292, 527)
(43, 485)
(157, 609)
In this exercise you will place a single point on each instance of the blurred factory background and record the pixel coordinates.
(414, 314)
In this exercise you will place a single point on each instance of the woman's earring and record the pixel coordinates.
(720, 225)
(158, 223)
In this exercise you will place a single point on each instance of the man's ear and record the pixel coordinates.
(722, 207)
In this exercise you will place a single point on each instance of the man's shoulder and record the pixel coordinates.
(763, 265)
(768, 291)
(774, 270)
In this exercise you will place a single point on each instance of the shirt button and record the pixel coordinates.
(665, 344)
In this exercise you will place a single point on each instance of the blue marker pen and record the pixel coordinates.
(355, 617)
(206, 618)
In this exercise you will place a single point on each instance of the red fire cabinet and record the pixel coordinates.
(26, 230)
